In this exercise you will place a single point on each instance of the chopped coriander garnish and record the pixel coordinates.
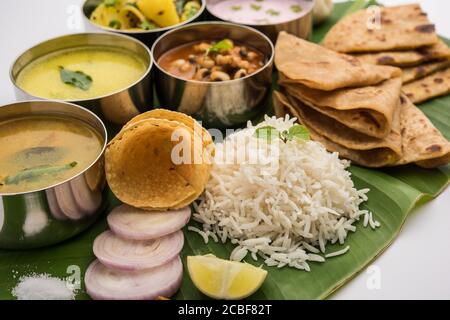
(273, 12)
(115, 24)
(147, 25)
(296, 8)
(255, 7)
(236, 8)
(223, 45)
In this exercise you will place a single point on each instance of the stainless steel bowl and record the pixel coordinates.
(217, 104)
(115, 108)
(47, 216)
(300, 27)
(146, 36)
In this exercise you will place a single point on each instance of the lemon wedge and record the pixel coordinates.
(223, 279)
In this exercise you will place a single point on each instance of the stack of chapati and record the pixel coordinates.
(354, 108)
(399, 36)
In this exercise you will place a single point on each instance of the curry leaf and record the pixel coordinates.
(36, 172)
(75, 78)
(268, 133)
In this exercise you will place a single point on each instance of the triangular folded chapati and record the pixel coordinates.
(369, 110)
(418, 72)
(370, 151)
(421, 142)
(386, 28)
(407, 58)
(317, 67)
(434, 85)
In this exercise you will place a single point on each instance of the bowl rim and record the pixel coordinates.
(83, 34)
(268, 63)
(82, 109)
(143, 32)
(261, 25)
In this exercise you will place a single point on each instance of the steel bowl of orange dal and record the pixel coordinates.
(106, 73)
(52, 180)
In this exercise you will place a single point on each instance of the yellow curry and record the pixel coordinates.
(40, 151)
(81, 73)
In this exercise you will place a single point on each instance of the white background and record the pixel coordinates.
(416, 266)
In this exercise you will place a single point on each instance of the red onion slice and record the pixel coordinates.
(53, 205)
(133, 255)
(137, 224)
(103, 283)
(67, 202)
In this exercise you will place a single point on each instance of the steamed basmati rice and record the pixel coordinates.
(282, 201)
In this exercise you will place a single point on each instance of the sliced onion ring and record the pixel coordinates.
(137, 224)
(133, 255)
(103, 283)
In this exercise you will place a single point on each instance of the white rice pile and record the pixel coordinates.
(285, 207)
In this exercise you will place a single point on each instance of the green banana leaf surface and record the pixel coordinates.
(393, 194)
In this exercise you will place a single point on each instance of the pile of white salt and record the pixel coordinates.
(43, 287)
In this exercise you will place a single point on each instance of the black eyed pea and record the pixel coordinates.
(223, 60)
(219, 76)
(178, 63)
(202, 74)
(240, 74)
(206, 62)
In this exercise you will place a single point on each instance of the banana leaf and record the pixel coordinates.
(393, 194)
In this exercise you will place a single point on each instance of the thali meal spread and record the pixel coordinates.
(265, 12)
(278, 190)
(213, 61)
(144, 15)
(40, 151)
(81, 73)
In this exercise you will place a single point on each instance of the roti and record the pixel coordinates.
(422, 143)
(407, 58)
(369, 110)
(402, 27)
(413, 73)
(317, 67)
(434, 85)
